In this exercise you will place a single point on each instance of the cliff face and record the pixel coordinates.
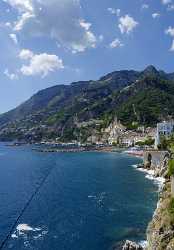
(160, 232)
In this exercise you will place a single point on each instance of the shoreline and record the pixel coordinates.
(160, 182)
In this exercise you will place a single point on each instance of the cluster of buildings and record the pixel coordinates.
(118, 134)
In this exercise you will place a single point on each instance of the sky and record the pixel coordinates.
(50, 42)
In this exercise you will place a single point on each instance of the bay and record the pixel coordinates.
(90, 201)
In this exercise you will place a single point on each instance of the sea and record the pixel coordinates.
(72, 201)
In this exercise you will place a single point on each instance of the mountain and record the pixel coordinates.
(76, 110)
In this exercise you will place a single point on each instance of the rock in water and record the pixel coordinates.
(129, 245)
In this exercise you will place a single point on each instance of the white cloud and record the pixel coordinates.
(170, 31)
(25, 17)
(39, 64)
(21, 5)
(145, 6)
(155, 15)
(14, 38)
(172, 47)
(11, 76)
(114, 11)
(166, 2)
(116, 44)
(25, 54)
(57, 19)
(127, 24)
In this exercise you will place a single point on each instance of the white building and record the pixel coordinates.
(163, 129)
(127, 142)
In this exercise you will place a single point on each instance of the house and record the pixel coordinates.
(164, 128)
(127, 142)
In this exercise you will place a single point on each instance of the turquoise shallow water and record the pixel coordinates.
(90, 201)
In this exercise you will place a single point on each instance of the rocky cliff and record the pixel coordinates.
(160, 232)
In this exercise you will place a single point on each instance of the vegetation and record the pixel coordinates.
(171, 210)
(167, 143)
(163, 143)
(147, 142)
(171, 167)
(136, 98)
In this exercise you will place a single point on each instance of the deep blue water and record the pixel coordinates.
(90, 201)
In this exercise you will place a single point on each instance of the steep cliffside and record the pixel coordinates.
(160, 232)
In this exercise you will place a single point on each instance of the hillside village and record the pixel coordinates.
(116, 135)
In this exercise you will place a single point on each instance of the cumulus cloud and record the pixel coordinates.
(11, 76)
(25, 54)
(39, 64)
(116, 44)
(59, 19)
(155, 15)
(14, 38)
(127, 24)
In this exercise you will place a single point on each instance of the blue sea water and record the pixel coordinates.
(90, 201)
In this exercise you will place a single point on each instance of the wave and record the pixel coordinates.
(150, 174)
(143, 243)
(24, 230)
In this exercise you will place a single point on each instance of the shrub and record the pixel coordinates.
(164, 144)
(171, 167)
(171, 209)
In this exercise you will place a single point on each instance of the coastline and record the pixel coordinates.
(159, 233)
(159, 181)
(149, 174)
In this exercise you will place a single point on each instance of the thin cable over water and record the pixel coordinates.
(24, 209)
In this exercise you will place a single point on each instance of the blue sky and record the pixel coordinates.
(49, 42)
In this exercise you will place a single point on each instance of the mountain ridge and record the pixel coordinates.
(59, 110)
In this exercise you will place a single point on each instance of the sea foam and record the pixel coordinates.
(150, 174)
(22, 230)
(143, 243)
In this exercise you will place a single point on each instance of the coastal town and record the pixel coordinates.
(149, 144)
(117, 136)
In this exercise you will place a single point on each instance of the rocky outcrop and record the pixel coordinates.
(162, 169)
(129, 245)
(160, 232)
